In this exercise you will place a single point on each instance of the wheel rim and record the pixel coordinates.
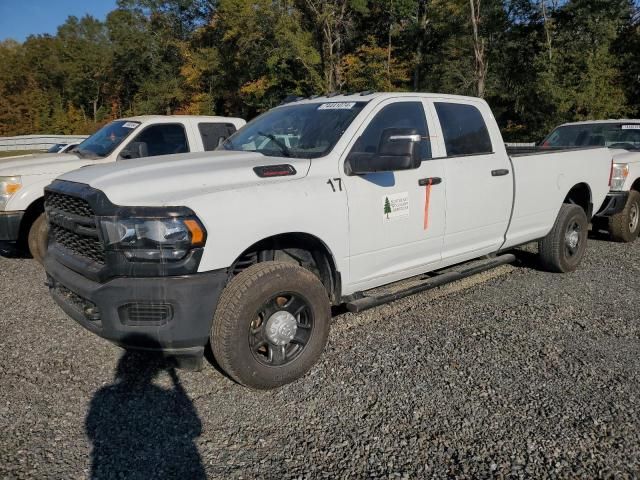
(634, 217)
(281, 330)
(572, 239)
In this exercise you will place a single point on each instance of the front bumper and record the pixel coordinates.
(613, 204)
(168, 314)
(10, 226)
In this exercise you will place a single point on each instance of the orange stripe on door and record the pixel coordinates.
(427, 199)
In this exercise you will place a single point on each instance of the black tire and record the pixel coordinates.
(625, 226)
(38, 238)
(564, 247)
(240, 335)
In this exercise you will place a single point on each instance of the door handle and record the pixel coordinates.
(499, 173)
(423, 182)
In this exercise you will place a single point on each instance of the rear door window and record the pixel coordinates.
(213, 134)
(463, 129)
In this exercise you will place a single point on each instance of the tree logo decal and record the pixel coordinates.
(387, 207)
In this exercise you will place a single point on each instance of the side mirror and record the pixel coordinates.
(135, 150)
(399, 149)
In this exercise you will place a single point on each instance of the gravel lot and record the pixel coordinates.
(512, 373)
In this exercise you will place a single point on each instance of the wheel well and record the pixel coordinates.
(636, 185)
(33, 211)
(300, 248)
(580, 195)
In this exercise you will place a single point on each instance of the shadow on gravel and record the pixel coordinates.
(140, 430)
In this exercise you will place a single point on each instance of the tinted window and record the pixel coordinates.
(161, 140)
(214, 133)
(463, 128)
(396, 115)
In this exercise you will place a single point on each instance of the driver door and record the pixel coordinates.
(396, 219)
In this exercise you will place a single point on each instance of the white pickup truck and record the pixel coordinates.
(323, 201)
(23, 178)
(621, 211)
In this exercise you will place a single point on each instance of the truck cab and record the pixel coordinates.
(22, 179)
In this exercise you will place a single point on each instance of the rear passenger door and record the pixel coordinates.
(478, 177)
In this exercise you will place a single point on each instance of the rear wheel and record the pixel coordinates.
(564, 247)
(38, 238)
(271, 324)
(625, 226)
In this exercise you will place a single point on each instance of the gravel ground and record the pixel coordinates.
(514, 372)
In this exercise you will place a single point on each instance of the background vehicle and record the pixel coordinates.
(62, 147)
(22, 179)
(249, 246)
(621, 211)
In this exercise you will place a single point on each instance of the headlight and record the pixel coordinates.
(153, 239)
(619, 174)
(8, 187)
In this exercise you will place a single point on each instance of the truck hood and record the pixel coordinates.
(167, 180)
(41, 164)
(625, 156)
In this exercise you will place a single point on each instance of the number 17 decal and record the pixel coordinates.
(337, 181)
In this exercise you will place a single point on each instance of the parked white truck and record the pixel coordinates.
(249, 246)
(22, 179)
(621, 211)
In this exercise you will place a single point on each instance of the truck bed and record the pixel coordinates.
(560, 170)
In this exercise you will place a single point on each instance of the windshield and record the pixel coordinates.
(303, 131)
(105, 140)
(612, 135)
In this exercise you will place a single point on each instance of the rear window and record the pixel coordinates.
(463, 128)
(213, 134)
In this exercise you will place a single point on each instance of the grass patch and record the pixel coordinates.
(11, 153)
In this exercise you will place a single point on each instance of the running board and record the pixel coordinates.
(364, 301)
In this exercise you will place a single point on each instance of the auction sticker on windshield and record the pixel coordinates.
(130, 125)
(631, 127)
(337, 106)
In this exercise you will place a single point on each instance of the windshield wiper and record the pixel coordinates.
(283, 147)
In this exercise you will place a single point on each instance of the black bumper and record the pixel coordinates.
(168, 314)
(613, 204)
(10, 226)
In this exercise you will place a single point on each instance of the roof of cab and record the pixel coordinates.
(173, 118)
(595, 122)
(368, 96)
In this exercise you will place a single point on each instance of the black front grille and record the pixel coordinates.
(69, 204)
(73, 226)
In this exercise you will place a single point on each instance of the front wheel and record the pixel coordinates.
(564, 247)
(625, 226)
(38, 238)
(271, 325)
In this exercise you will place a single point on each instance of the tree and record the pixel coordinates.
(387, 207)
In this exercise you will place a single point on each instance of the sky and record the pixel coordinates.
(21, 18)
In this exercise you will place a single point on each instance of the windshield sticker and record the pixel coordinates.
(130, 125)
(337, 106)
(395, 206)
(631, 127)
